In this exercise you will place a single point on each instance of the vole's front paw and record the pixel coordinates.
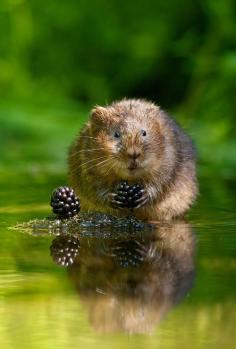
(128, 196)
(143, 200)
(114, 201)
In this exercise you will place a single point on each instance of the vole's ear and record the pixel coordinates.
(99, 114)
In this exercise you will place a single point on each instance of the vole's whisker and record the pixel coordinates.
(106, 163)
(86, 150)
(91, 160)
(98, 164)
(112, 166)
(75, 169)
(89, 137)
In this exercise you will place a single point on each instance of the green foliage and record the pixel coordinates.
(181, 54)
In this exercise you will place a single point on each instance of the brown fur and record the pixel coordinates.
(163, 161)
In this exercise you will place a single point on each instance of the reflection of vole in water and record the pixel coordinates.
(134, 297)
(134, 140)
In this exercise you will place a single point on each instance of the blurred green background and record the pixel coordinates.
(59, 58)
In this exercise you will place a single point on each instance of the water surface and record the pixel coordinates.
(170, 287)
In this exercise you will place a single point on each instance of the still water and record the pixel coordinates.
(168, 286)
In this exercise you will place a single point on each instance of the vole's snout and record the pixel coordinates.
(133, 154)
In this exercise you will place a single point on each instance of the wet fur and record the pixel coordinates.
(166, 167)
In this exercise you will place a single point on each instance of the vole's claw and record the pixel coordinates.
(143, 200)
(116, 204)
(113, 202)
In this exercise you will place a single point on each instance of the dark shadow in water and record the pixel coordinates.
(129, 281)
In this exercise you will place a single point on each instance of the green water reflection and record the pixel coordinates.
(96, 302)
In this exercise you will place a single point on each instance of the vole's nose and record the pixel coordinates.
(133, 154)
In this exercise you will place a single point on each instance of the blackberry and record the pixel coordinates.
(64, 250)
(64, 202)
(128, 254)
(128, 194)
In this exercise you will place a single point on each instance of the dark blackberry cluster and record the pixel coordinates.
(128, 195)
(64, 202)
(128, 254)
(64, 250)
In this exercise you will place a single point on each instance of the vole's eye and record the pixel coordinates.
(116, 134)
(143, 133)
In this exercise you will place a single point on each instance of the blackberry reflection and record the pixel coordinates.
(128, 284)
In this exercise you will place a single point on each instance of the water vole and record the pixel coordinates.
(134, 140)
